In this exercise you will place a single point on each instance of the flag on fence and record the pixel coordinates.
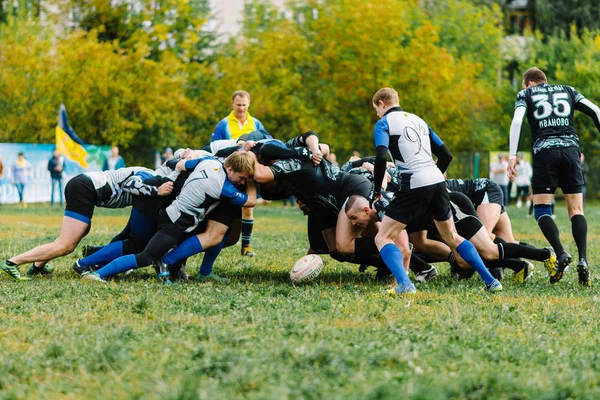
(67, 141)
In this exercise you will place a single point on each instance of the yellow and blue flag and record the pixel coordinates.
(67, 141)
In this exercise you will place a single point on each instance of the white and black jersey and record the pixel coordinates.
(411, 143)
(115, 188)
(202, 191)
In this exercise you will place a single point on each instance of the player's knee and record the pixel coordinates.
(64, 248)
(489, 252)
(539, 210)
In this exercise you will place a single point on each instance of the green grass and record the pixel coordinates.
(262, 337)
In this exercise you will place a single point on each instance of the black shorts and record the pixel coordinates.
(560, 167)
(409, 205)
(225, 213)
(491, 195)
(350, 185)
(316, 240)
(81, 198)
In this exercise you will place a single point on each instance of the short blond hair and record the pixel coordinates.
(388, 95)
(241, 93)
(241, 161)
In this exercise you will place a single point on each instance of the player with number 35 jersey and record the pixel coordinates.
(556, 160)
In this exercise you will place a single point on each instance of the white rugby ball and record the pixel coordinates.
(306, 269)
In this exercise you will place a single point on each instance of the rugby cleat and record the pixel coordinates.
(562, 264)
(248, 251)
(88, 250)
(550, 262)
(402, 289)
(79, 270)
(92, 276)
(522, 275)
(497, 273)
(426, 275)
(584, 273)
(13, 271)
(494, 287)
(45, 270)
(210, 277)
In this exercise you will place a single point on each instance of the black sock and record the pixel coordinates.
(10, 263)
(417, 264)
(550, 231)
(514, 264)
(514, 250)
(579, 229)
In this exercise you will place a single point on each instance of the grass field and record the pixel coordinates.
(261, 337)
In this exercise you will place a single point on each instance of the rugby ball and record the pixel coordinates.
(306, 269)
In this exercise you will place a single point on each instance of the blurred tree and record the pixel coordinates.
(554, 17)
(321, 73)
(573, 61)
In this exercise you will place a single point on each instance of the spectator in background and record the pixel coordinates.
(356, 154)
(332, 158)
(114, 162)
(168, 154)
(20, 172)
(523, 180)
(239, 122)
(585, 168)
(1, 176)
(498, 174)
(56, 166)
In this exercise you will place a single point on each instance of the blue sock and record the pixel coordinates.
(102, 257)
(210, 256)
(190, 246)
(392, 256)
(121, 264)
(469, 253)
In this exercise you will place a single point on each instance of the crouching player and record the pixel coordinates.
(109, 189)
(207, 184)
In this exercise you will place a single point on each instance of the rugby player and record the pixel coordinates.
(109, 189)
(556, 160)
(411, 143)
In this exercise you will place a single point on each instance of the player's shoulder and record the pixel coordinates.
(522, 93)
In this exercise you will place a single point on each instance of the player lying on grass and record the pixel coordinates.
(109, 189)
(208, 183)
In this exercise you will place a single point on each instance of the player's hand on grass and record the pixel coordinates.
(165, 189)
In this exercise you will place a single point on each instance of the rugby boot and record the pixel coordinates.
(45, 270)
(562, 264)
(13, 271)
(584, 273)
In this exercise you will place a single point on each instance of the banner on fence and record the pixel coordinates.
(39, 185)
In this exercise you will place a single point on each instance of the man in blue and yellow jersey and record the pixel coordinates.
(239, 122)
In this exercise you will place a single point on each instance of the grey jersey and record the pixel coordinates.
(115, 188)
(200, 194)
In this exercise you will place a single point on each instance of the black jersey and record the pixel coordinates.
(549, 110)
(319, 187)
